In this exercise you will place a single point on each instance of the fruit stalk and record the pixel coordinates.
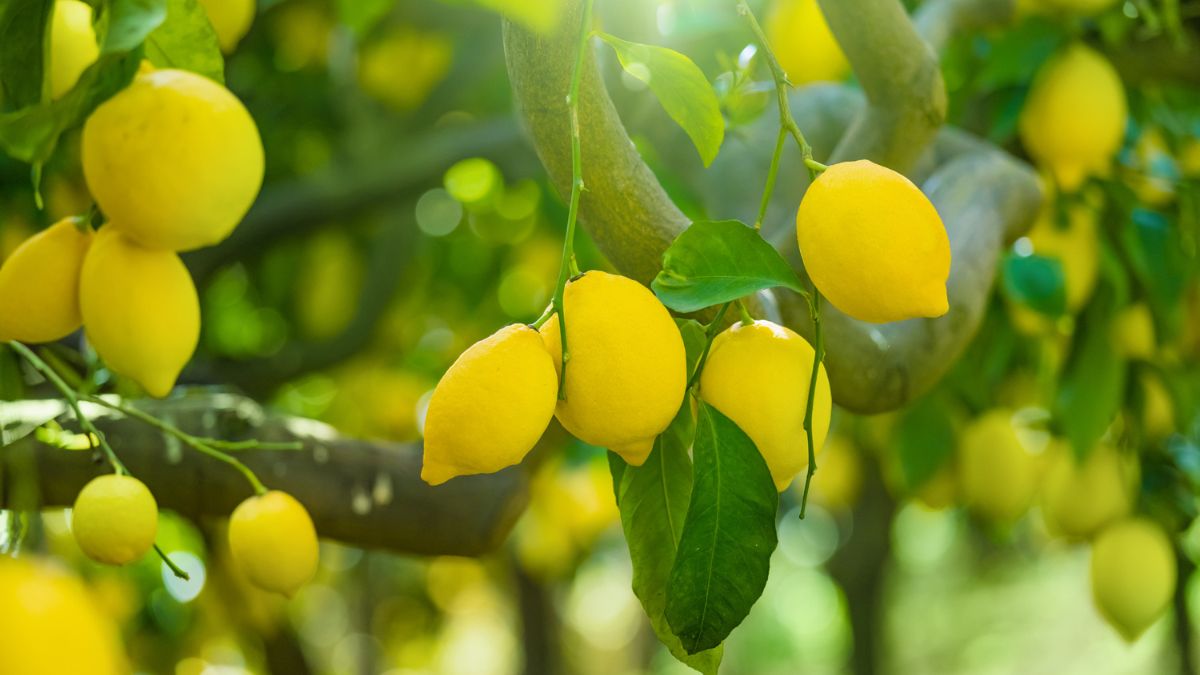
(814, 304)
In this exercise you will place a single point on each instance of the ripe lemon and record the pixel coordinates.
(1133, 575)
(140, 310)
(115, 519)
(230, 20)
(490, 407)
(1080, 498)
(39, 284)
(873, 244)
(1075, 244)
(627, 372)
(803, 43)
(757, 375)
(50, 625)
(426, 58)
(174, 160)
(837, 485)
(1158, 409)
(997, 470)
(1074, 118)
(72, 44)
(273, 542)
(1133, 332)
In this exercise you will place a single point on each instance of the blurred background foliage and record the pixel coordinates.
(404, 217)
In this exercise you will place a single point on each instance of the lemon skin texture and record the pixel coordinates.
(39, 284)
(115, 519)
(627, 372)
(757, 375)
(273, 542)
(230, 20)
(1133, 575)
(803, 43)
(50, 625)
(491, 406)
(873, 244)
(1074, 117)
(1080, 498)
(174, 160)
(998, 475)
(140, 310)
(72, 45)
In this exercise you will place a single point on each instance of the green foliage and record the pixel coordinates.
(925, 440)
(129, 22)
(186, 40)
(1091, 388)
(1035, 281)
(24, 25)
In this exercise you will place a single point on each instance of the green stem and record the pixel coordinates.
(710, 331)
(771, 173)
(747, 318)
(175, 569)
(541, 320)
(814, 308)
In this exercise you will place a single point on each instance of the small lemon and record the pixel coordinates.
(839, 482)
(1133, 574)
(627, 372)
(1075, 244)
(1156, 172)
(873, 244)
(50, 625)
(1133, 332)
(490, 407)
(424, 58)
(1080, 498)
(1074, 117)
(140, 310)
(997, 471)
(1158, 408)
(273, 542)
(174, 160)
(803, 43)
(230, 20)
(940, 491)
(72, 44)
(115, 519)
(757, 375)
(39, 284)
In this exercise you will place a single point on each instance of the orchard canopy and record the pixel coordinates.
(599, 337)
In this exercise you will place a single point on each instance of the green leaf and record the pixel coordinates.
(681, 88)
(728, 535)
(361, 16)
(129, 22)
(1036, 282)
(186, 40)
(694, 340)
(23, 25)
(925, 441)
(1090, 391)
(539, 16)
(716, 261)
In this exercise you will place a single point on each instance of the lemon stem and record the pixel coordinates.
(771, 173)
(747, 319)
(175, 569)
(814, 308)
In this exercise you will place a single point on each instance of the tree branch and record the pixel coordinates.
(939, 20)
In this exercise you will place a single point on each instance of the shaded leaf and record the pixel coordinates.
(1037, 282)
(694, 340)
(1094, 380)
(23, 26)
(186, 40)
(128, 22)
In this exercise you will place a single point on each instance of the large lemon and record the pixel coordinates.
(873, 244)
(230, 20)
(39, 284)
(140, 310)
(72, 44)
(998, 472)
(490, 407)
(274, 542)
(1074, 118)
(626, 372)
(1080, 498)
(115, 519)
(174, 160)
(758, 375)
(1133, 575)
(801, 40)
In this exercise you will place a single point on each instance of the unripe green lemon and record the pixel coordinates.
(1133, 575)
(873, 244)
(803, 43)
(140, 310)
(1080, 498)
(998, 472)
(72, 44)
(490, 407)
(39, 284)
(174, 160)
(758, 376)
(230, 20)
(115, 519)
(1074, 117)
(273, 542)
(627, 370)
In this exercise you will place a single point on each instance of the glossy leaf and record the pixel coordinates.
(1037, 282)
(186, 41)
(129, 22)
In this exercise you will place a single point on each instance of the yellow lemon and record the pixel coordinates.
(327, 294)
(873, 244)
(1080, 498)
(940, 491)
(39, 284)
(1074, 118)
(1189, 157)
(174, 160)
(997, 469)
(140, 310)
(839, 481)
(1075, 244)
(72, 44)
(758, 375)
(1133, 575)
(403, 66)
(115, 519)
(230, 20)
(1133, 332)
(43, 606)
(1158, 409)
(273, 542)
(490, 407)
(803, 43)
(1155, 172)
(626, 373)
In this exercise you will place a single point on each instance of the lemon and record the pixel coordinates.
(174, 160)
(1189, 157)
(758, 375)
(1076, 7)
(1133, 575)
(626, 373)
(326, 295)
(490, 407)
(230, 20)
(1155, 172)
(39, 284)
(1158, 409)
(837, 485)
(940, 491)
(1074, 117)
(1080, 498)
(1133, 332)
(873, 244)
(140, 310)
(425, 59)
(803, 43)
(50, 626)
(1075, 244)
(273, 542)
(72, 44)
(115, 519)
(997, 470)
